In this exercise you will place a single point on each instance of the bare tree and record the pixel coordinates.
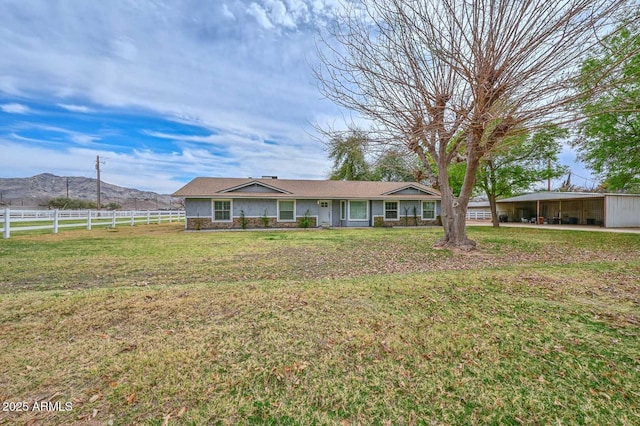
(450, 79)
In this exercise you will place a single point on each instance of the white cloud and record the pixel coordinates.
(299, 11)
(82, 139)
(56, 134)
(124, 49)
(148, 170)
(170, 59)
(75, 108)
(15, 108)
(227, 13)
(207, 64)
(260, 14)
(279, 15)
(291, 14)
(238, 68)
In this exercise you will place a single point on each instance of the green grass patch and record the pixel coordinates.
(151, 325)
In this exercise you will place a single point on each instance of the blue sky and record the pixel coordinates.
(163, 91)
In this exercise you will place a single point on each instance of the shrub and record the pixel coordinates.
(305, 221)
(243, 220)
(65, 203)
(113, 206)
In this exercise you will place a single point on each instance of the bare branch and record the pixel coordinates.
(453, 78)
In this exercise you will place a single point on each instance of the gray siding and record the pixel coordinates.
(410, 191)
(303, 205)
(196, 207)
(377, 208)
(335, 213)
(256, 188)
(622, 211)
(406, 209)
(254, 208)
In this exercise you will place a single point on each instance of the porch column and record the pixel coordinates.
(560, 213)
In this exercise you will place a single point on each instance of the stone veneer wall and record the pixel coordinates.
(379, 221)
(194, 224)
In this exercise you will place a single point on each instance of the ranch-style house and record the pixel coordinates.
(269, 202)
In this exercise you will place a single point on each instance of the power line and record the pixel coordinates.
(582, 177)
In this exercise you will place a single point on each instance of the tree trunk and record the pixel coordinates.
(490, 184)
(454, 216)
(495, 220)
(454, 209)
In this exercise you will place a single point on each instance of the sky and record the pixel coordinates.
(165, 90)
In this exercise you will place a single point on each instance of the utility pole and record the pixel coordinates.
(549, 175)
(67, 187)
(98, 170)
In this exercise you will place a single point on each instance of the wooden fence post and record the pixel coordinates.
(7, 223)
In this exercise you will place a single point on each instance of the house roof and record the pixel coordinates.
(479, 204)
(552, 196)
(211, 187)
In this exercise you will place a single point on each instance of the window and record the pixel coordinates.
(391, 210)
(343, 210)
(286, 211)
(324, 204)
(428, 210)
(222, 211)
(358, 210)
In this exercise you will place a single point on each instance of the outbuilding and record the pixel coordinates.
(574, 208)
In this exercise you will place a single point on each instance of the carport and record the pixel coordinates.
(573, 208)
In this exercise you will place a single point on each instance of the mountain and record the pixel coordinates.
(37, 190)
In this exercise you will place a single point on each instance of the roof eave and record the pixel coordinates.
(310, 197)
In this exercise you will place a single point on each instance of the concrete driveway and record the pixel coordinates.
(558, 227)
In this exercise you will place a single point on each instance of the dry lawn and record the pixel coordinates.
(153, 325)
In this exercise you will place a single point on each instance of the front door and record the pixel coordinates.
(324, 213)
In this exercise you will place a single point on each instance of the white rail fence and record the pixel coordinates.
(31, 220)
(478, 215)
